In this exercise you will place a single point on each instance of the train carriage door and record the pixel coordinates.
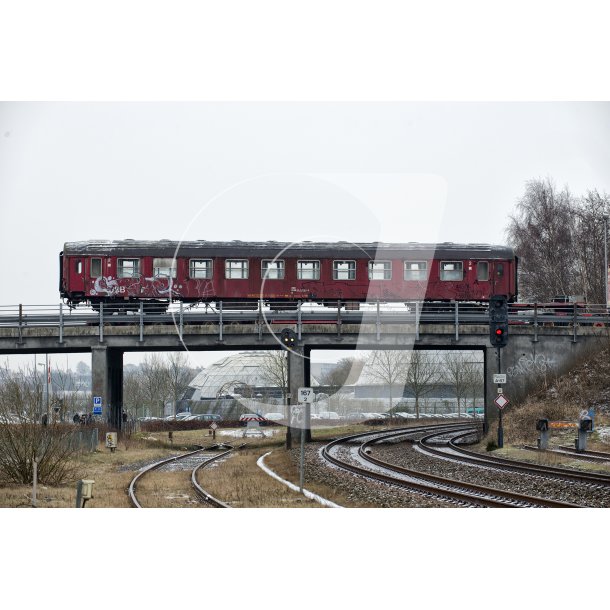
(497, 281)
(482, 280)
(96, 271)
(76, 272)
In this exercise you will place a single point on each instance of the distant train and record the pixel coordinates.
(123, 274)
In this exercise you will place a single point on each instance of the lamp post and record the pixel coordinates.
(606, 216)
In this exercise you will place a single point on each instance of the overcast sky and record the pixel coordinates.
(276, 171)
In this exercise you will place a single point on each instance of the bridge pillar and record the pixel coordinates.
(107, 382)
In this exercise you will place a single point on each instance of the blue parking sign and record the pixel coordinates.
(97, 410)
(97, 401)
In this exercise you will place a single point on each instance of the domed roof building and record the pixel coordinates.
(238, 375)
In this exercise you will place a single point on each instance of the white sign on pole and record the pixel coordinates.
(501, 401)
(306, 395)
(500, 378)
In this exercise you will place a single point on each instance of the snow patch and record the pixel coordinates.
(308, 494)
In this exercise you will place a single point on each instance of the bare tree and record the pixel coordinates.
(559, 240)
(542, 233)
(345, 372)
(589, 239)
(154, 383)
(421, 376)
(274, 369)
(456, 367)
(134, 396)
(388, 367)
(475, 382)
(23, 441)
(177, 374)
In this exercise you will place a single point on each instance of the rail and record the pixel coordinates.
(223, 313)
(431, 485)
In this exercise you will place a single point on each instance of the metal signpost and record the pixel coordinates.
(97, 405)
(306, 397)
(498, 337)
(501, 401)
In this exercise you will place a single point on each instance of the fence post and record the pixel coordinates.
(535, 322)
(299, 320)
(220, 322)
(141, 312)
(101, 322)
(378, 323)
(457, 322)
(574, 323)
(61, 322)
(20, 323)
(34, 482)
(417, 320)
(181, 319)
(339, 318)
(259, 319)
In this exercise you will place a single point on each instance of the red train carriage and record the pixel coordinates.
(121, 274)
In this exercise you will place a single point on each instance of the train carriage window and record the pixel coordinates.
(236, 269)
(380, 270)
(272, 270)
(96, 267)
(452, 271)
(308, 270)
(500, 269)
(128, 267)
(78, 267)
(201, 268)
(416, 270)
(164, 267)
(344, 270)
(483, 271)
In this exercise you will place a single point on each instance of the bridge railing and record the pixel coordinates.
(221, 313)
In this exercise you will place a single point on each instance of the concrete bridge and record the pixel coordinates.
(533, 351)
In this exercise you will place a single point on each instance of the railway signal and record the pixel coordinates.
(288, 338)
(498, 321)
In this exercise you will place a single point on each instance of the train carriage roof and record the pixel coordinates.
(270, 249)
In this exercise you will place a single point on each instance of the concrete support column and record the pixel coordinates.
(107, 382)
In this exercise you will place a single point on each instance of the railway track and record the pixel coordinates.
(199, 491)
(451, 450)
(590, 456)
(456, 492)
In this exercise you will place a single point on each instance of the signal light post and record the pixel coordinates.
(498, 337)
(288, 339)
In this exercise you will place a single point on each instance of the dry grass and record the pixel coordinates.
(546, 458)
(562, 398)
(113, 472)
(239, 482)
(285, 465)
